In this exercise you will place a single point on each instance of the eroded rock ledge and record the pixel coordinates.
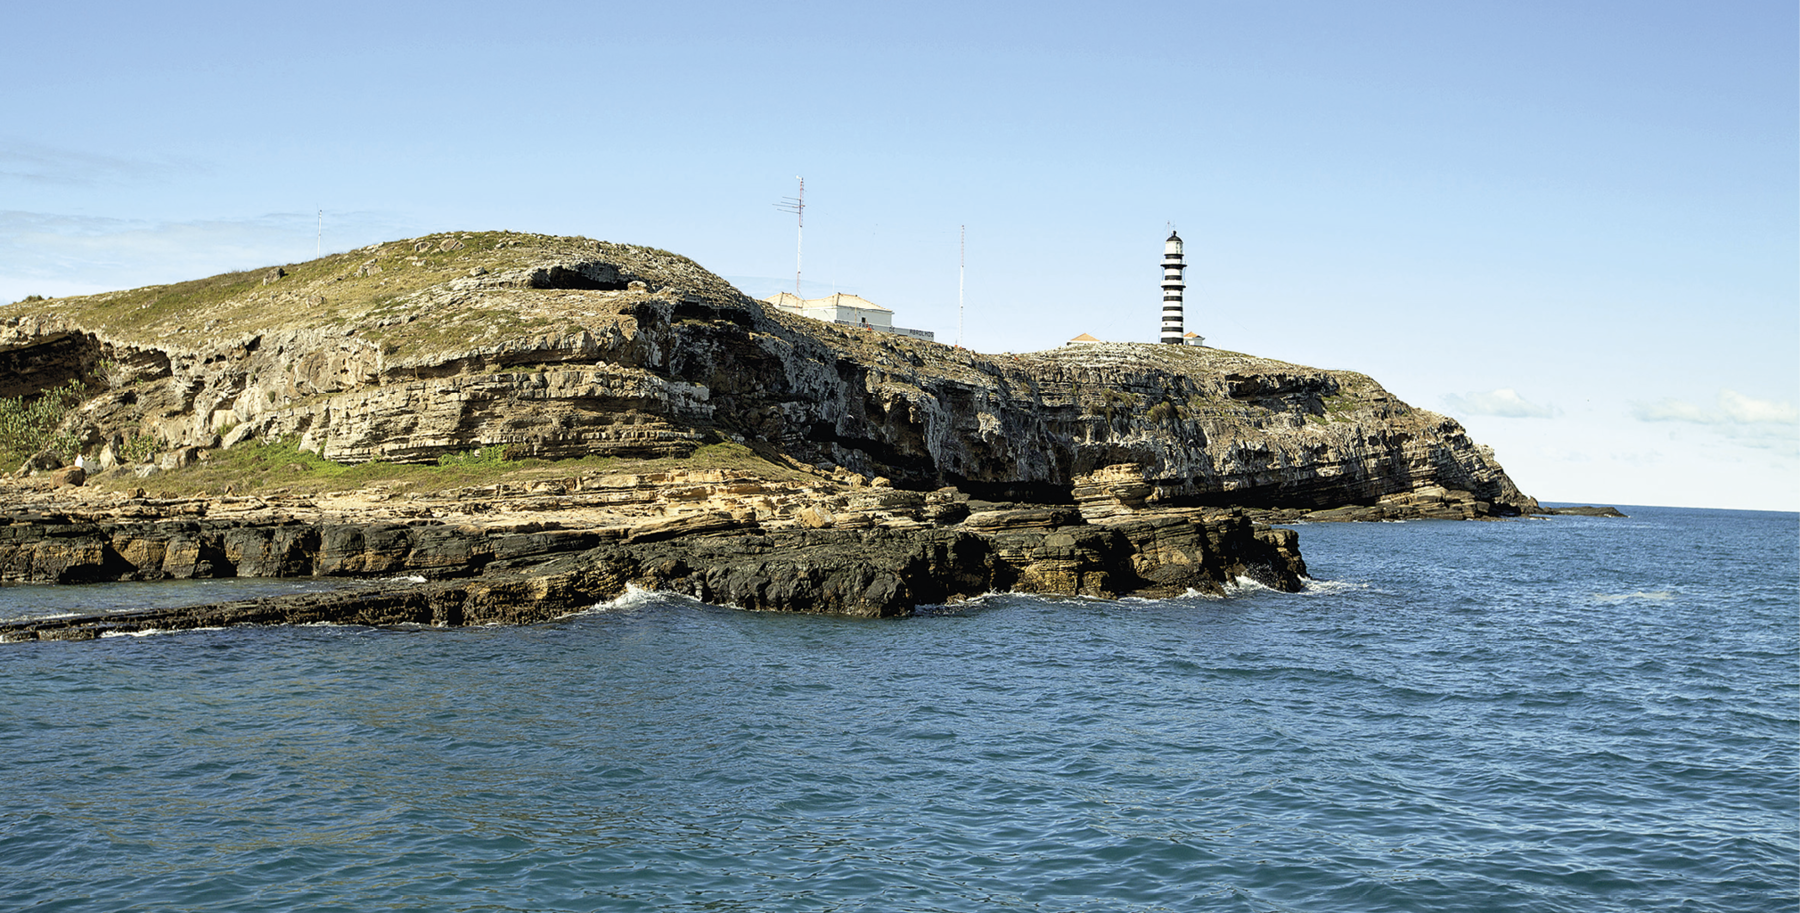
(531, 556)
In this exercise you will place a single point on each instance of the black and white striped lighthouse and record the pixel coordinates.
(1172, 286)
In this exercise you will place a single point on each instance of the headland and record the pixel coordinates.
(618, 416)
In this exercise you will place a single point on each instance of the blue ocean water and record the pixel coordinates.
(1576, 714)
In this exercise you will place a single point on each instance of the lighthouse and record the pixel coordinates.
(1172, 285)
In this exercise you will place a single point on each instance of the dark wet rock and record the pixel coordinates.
(1582, 511)
(483, 576)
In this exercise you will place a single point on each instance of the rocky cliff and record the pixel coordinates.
(551, 347)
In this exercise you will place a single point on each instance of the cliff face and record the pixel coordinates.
(565, 346)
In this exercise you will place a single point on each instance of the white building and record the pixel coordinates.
(845, 309)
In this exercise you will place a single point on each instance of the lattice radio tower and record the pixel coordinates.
(797, 206)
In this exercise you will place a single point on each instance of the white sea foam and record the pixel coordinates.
(1191, 593)
(404, 578)
(982, 598)
(635, 597)
(150, 632)
(1647, 596)
(1311, 587)
(1244, 586)
(959, 606)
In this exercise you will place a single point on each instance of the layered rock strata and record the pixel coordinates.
(521, 564)
(564, 346)
(937, 473)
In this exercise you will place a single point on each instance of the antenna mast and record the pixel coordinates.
(962, 261)
(319, 250)
(797, 206)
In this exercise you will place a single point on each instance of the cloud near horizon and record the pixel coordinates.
(36, 163)
(1732, 408)
(57, 253)
(1504, 403)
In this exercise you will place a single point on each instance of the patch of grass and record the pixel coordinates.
(253, 468)
(241, 300)
(152, 305)
(480, 457)
(1338, 406)
(1164, 412)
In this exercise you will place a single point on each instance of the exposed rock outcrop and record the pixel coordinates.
(538, 557)
(564, 346)
(913, 473)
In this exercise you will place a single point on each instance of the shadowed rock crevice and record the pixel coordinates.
(43, 362)
(591, 276)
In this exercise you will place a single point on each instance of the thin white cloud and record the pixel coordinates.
(1746, 410)
(1504, 403)
(1674, 410)
(36, 163)
(1733, 408)
(41, 251)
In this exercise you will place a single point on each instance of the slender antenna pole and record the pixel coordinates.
(320, 250)
(799, 231)
(962, 262)
(797, 206)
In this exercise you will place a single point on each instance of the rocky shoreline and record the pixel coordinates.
(894, 472)
(499, 556)
(825, 543)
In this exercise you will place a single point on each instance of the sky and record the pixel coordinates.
(1573, 227)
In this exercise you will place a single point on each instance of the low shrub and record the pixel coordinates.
(29, 425)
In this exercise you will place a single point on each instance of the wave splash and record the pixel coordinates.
(1311, 587)
(635, 597)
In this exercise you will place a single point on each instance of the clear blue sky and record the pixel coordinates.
(1571, 226)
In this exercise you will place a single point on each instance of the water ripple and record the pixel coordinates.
(1454, 716)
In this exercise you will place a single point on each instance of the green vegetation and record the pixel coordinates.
(1111, 402)
(253, 468)
(396, 295)
(319, 291)
(30, 425)
(1164, 412)
(139, 447)
(1337, 408)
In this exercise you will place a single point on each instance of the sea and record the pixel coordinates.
(1564, 714)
